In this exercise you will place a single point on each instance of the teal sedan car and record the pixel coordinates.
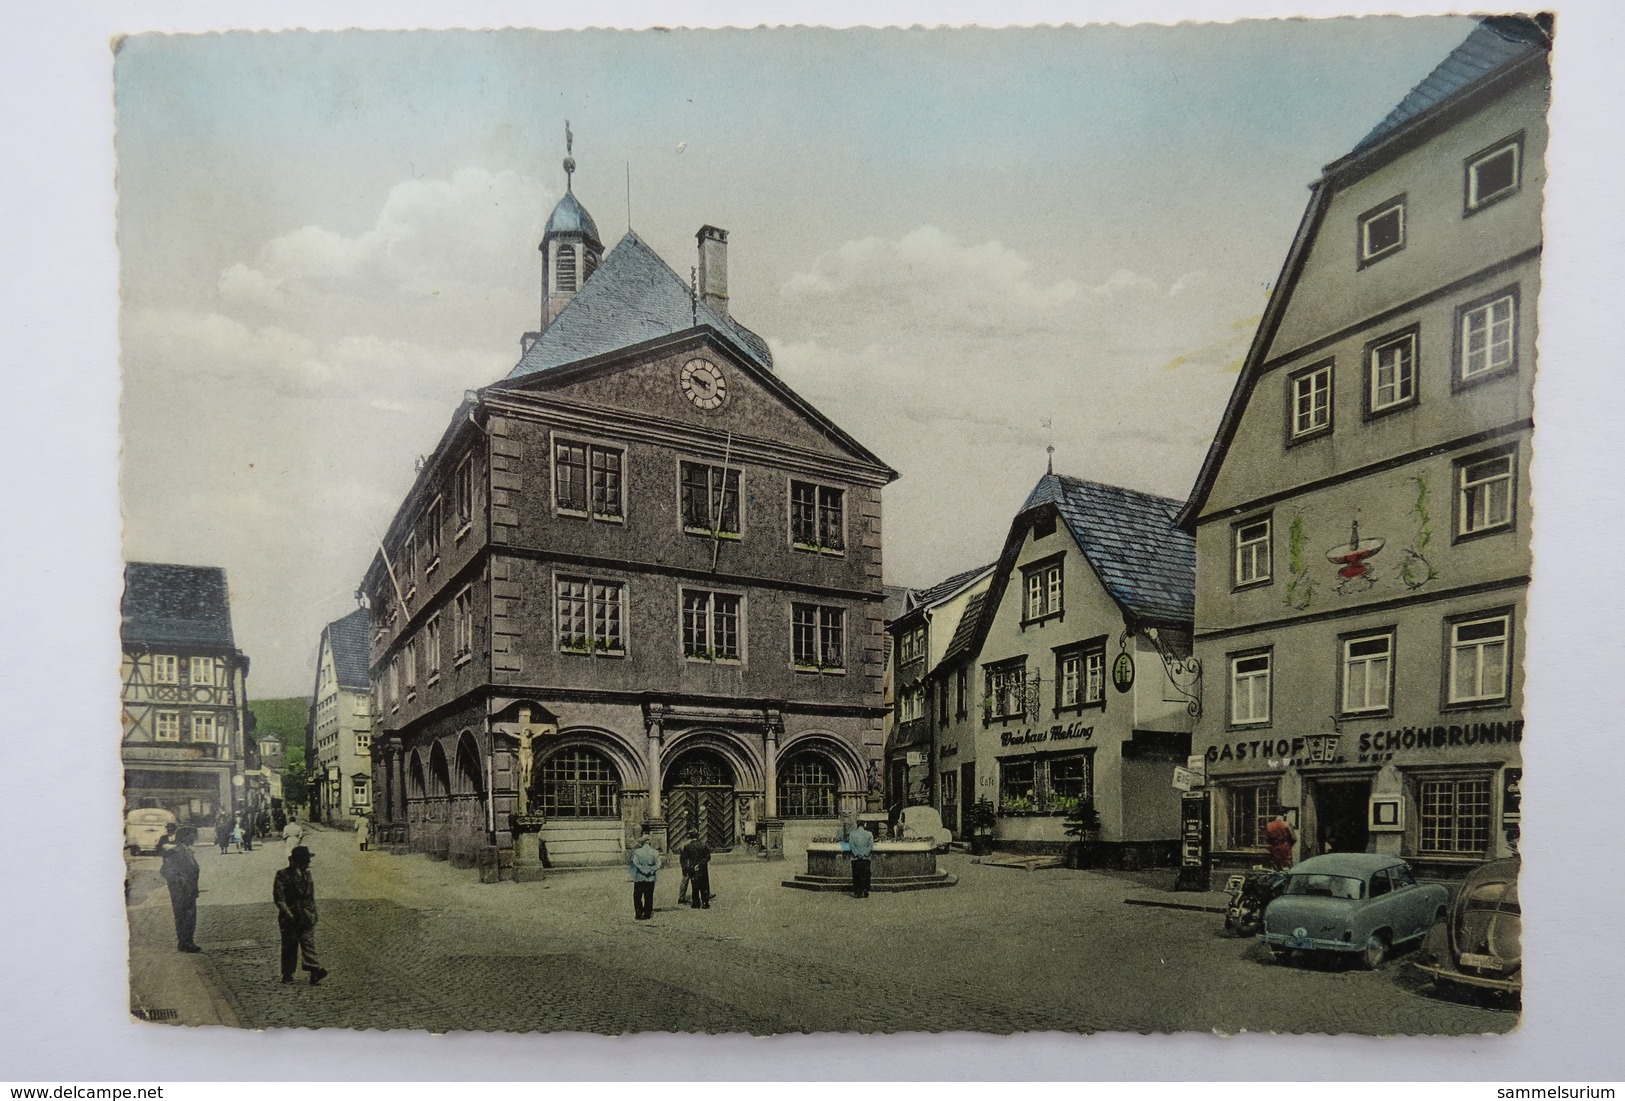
(1359, 905)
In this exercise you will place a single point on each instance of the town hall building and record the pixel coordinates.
(636, 586)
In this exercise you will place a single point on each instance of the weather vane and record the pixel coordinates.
(569, 161)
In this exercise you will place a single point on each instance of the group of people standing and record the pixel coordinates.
(694, 860)
(643, 865)
(292, 889)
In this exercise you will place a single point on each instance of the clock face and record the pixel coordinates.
(703, 383)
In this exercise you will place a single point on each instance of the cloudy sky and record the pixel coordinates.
(963, 246)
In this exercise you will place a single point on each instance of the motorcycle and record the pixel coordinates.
(1250, 893)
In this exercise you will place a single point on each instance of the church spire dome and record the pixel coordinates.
(571, 248)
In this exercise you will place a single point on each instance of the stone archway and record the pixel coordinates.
(466, 813)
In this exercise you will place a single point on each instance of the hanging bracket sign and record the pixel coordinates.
(1123, 672)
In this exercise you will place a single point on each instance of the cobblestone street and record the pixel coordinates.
(414, 943)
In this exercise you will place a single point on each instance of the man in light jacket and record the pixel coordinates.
(862, 847)
(643, 864)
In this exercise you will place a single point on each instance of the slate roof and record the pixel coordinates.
(348, 638)
(569, 216)
(921, 598)
(964, 640)
(176, 605)
(1146, 563)
(634, 296)
(1495, 43)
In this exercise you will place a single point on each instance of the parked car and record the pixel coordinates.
(1479, 943)
(146, 827)
(1354, 904)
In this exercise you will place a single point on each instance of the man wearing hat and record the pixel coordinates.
(295, 895)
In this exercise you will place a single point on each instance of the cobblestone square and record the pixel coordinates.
(417, 944)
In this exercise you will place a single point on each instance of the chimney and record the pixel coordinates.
(714, 268)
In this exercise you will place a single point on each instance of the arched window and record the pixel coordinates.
(806, 787)
(580, 783)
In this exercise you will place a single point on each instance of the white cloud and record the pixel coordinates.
(980, 362)
(442, 256)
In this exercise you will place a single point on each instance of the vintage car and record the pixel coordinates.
(1479, 943)
(146, 827)
(1356, 904)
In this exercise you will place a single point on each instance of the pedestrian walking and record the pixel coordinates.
(697, 855)
(643, 864)
(363, 831)
(862, 849)
(237, 837)
(1278, 840)
(180, 871)
(222, 831)
(688, 876)
(294, 832)
(278, 820)
(294, 892)
(247, 823)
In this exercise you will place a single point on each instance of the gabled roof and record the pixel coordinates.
(1494, 44)
(633, 297)
(1146, 563)
(348, 639)
(948, 588)
(895, 601)
(176, 605)
(1495, 47)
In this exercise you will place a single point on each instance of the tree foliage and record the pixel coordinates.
(286, 719)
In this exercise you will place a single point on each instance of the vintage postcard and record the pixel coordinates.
(806, 530)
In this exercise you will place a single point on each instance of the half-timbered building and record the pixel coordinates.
(185, 693)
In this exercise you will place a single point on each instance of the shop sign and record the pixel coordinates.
(1372, 747)
(1185, 779)
(1060, 732)
(1381, 745)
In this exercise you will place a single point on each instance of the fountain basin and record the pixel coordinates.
(906, 865)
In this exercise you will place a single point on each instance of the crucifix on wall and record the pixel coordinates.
(527, 734)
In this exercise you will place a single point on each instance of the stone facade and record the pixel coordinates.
(639, 590)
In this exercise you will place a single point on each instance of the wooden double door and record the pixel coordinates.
(699, 801)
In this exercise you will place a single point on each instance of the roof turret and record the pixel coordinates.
(569, 216)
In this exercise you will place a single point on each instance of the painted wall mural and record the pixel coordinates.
(1414, 568)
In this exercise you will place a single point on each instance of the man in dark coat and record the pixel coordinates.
(697, 855)
(181, 873)
(222, 831)
(295, 895)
